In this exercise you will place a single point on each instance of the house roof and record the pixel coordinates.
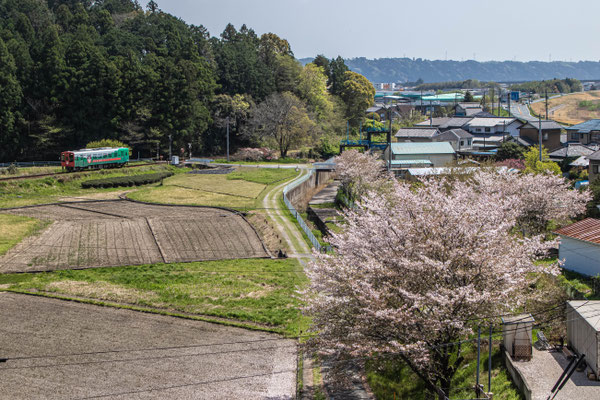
(411, 162)
(545, 125)
(589, 310)
(490, 122)
(471, 112)
(484, 114)
(437, 121)
(468, 105)
(456, 122)
(587, 126)
(422, 148)
(454, 134)
(580, 162)
(587, 230)
(373, 109)
(594, 156)
(417, 132)
(572, 150)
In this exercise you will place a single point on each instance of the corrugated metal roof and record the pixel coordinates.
(490, 122)
(411, 162)
(422, 148)
(594, 156)
(588, 310)
(587, 230)
(421, 132)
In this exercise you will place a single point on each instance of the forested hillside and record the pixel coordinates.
(73, 71)
(407, 69)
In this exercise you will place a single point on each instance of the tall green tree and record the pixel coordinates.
(337, 75)
(11, 97)
(358, 94)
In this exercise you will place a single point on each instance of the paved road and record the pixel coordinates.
(521, 111)
(66, 350)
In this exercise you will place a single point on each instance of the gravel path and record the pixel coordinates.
(58, 350)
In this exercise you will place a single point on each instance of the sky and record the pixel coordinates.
(483, 30)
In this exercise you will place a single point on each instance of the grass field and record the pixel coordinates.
(242, 189)
(569, 109)
(259, 292)
(391, 380)
(14, 228)
(53, 189)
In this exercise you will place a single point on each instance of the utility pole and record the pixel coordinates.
(170, 142)
(227, 138)
(546, 104)
(490, 363)
(157, 150)
(540, 133)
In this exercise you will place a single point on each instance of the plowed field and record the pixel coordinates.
(117, 233)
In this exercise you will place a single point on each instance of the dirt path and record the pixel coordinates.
(288, 230)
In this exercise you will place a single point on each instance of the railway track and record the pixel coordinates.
(13, 178)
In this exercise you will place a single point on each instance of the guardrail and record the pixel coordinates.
(313, 240)
(30, 164)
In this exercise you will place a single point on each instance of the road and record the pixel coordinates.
(521, 111)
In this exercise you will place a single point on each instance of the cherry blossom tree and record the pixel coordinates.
(413, 268)
(359, 172)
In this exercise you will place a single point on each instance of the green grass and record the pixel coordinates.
(393, 379)
(265, 176)
(14, 228)
(243, 189)
(259, 292)
(52, 189)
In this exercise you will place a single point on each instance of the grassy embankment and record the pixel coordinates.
(33, 191)
(570, 109)
(243, 189)
(254, 293)
(395, 380)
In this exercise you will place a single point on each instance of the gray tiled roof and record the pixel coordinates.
(545, 125)
(587, 126)
(594, 156)
(437, 121)
(572, 150)
(417, 132)
(455, 122)
(454, 134)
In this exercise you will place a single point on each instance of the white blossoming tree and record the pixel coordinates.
(413, 268)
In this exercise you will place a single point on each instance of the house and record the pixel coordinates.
(379, 110)
(493, 126)
(583, 336)
(572, 150)
(529, 134)
(587, 132)
(594, 166)
(460, 139)
(580, 246)
(467, 109)
(435, 121)
(447, 123)
(407, 155)
(416, 134)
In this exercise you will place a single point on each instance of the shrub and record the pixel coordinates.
(122, 181)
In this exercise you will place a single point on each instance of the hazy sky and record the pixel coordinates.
(484, 30)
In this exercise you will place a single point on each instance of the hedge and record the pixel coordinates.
(130, 180)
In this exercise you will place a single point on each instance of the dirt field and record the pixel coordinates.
(66, 350)
(566, 109)
(115, 233)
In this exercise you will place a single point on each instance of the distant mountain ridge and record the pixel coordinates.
(407, 69)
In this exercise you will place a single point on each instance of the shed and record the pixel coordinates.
(517, 336)
(580, 246)
(438, 153)
(583, 322)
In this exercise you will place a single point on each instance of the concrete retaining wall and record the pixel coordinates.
(301, 194)
(516, 376)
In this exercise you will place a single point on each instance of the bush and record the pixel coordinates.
(254, 154)
(122, 181)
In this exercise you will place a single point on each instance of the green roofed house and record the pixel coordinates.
(409, 155)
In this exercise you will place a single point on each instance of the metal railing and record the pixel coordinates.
(313, 239)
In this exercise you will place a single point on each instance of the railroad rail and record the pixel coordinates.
(35, 176)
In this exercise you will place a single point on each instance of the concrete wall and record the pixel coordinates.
(579, 256)
(516, 376)
(582, 337)
(438, 160)
(301, 194)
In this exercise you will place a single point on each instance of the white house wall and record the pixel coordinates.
(579, 256)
